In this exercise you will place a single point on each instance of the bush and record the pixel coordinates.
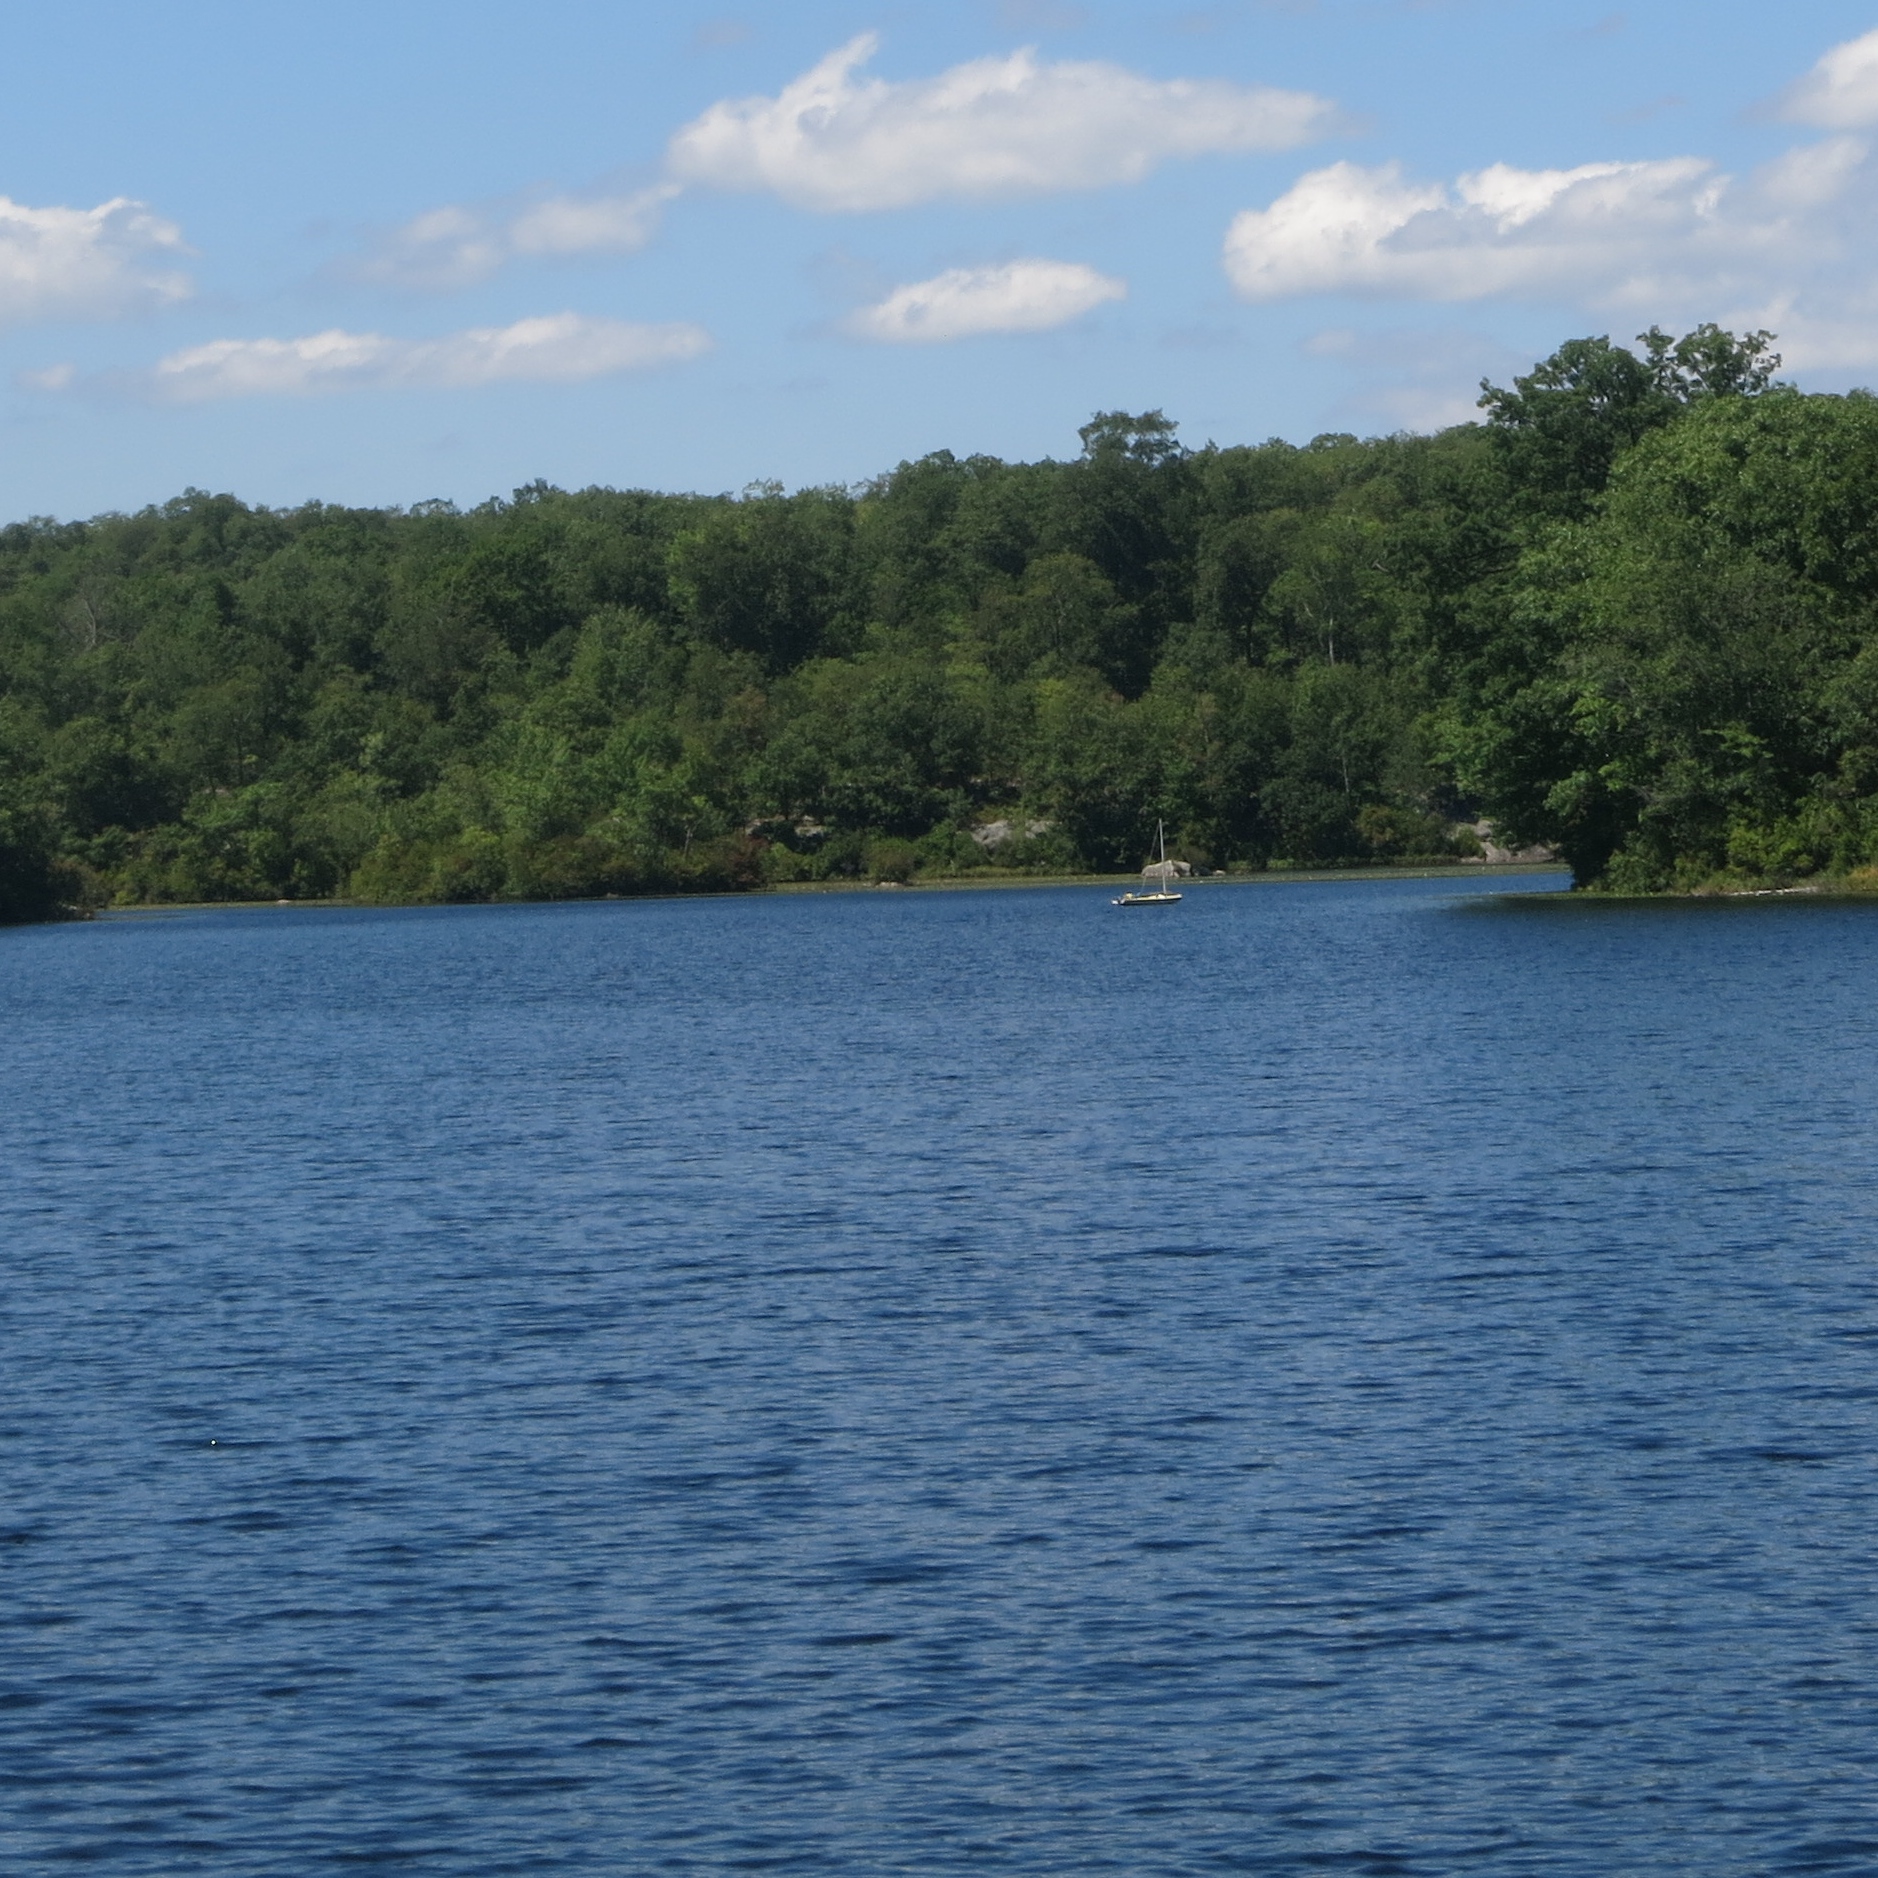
(1392, 833)
(730, 864)
(888, 858)
(465, 867)
(948, 849)
(782, 865)
(32, 885)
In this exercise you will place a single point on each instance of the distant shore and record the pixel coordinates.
(1272, 876)
(1459, 870)
(1859, 886)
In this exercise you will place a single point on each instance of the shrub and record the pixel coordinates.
(888, 858)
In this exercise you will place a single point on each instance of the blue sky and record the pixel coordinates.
(392, 252)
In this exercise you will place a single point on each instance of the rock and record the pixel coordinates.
(1496, 854)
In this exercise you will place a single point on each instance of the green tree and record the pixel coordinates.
(770, 575)
(1565, 423)
(1682, 688)
(31, 886)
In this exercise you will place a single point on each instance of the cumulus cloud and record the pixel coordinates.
(458, 245)
(1790, 246)
(87, 263)
(836, 141)
(560, 348)
(967, 302)
(1610, 230)
(1841, 91)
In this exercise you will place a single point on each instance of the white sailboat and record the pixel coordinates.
(1160, 873)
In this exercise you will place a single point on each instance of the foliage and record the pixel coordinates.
(1630, 615)
(1694, 687)
(32, 885)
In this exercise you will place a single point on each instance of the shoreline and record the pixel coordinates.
(1271, 876)
(952, 883)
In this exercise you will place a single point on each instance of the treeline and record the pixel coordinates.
(1630, 615)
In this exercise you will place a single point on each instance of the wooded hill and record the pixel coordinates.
(1629, 614)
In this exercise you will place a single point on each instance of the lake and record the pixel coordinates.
(1374, 1377)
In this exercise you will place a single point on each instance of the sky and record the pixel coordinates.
(405, 251)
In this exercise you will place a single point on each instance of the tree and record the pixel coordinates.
(1686, 696)
(30, 883)
(1710, 362)
(771, 574)
(1566, 422)
(1150, 439)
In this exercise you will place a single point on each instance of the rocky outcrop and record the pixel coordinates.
(1495, 852)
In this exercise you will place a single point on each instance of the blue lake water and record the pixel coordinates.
(1370, 1377)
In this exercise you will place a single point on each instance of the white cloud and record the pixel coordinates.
(1815, 176)
(590, 224)
(837, 142)
(1605, 231)
(1821, 332)
(967, 302)
(457, 246)
(1841, 91)
(86, 263)
(1792, 247)
(560, 348)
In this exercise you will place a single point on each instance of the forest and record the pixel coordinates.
(1629, 614)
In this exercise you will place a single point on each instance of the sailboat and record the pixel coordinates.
(1160, 873)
